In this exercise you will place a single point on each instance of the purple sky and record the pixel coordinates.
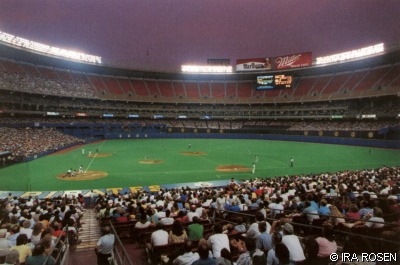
(191, 31)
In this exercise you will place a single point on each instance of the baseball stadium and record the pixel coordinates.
(302, 151)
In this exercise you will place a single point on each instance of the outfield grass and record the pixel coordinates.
(125, 170)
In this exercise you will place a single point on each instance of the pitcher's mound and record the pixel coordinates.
(232, 168)
(100, 155)
(151, 161)
(194, 153)
(88, 175)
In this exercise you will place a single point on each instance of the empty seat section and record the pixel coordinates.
(320, 84)
(218, 90)
(112, 85)
(125, 86)
(337, 82)
(179, 89)
(231, 91)
(166, 88)
(98, 84)
(139, 88)
(245, 89)
(355, 78)
(152, 88)
(304, 86)
(391, 78)
(192, 89)
(258, 93)
(274, 93)
(370, 79)
(204, 89)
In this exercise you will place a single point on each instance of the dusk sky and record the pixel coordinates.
(161, 35)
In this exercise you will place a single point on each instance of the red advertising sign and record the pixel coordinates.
(293, 61)
(253, 64)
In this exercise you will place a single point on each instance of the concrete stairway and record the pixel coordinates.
(89, 234)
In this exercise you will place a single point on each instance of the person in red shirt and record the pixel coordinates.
(353, 214)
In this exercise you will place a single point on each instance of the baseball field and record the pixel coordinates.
(145, 162)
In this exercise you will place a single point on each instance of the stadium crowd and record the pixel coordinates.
(27, 142)
(25, 82)
(290, 125)
(32, 230)
(266, 220)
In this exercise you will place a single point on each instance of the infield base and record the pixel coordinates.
(88, 175)
(151, 161)
(232, 168)
(100, 155)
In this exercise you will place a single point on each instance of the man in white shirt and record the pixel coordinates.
(158, 238)
(192, 213)
(292, 242)
(218, 241)
(253, 231)
(276, 207)
(167, 220)
(104, 246)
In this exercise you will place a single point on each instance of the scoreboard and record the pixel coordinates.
(278, 81)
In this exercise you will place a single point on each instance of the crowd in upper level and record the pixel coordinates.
(25, 82)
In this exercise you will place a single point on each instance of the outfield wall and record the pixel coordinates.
(392, 144)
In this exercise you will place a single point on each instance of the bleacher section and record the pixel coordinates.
(112, 85)
(98, 84)
(166, 89)
(140, 88)
(192, 89)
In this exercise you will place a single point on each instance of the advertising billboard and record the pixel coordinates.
(293, 61)
(253, 64)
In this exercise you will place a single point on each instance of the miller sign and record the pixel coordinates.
(293, 61)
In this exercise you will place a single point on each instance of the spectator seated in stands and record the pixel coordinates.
(195, 230)
(192, 213)
(292, 242)
(253, 231)
(5, 243)
(271, 257)
(23, 249)
(39, 256)
(218, 241)
(240, 227)
(167, 220)
(326, 244)
(323, 208)
(205, 259)
(188, 257)
(310, 212)
(143, 223)
(158, 238)
(226, 258)
(177, 233)
(353, 214)
(248, 252)
(264, 240)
